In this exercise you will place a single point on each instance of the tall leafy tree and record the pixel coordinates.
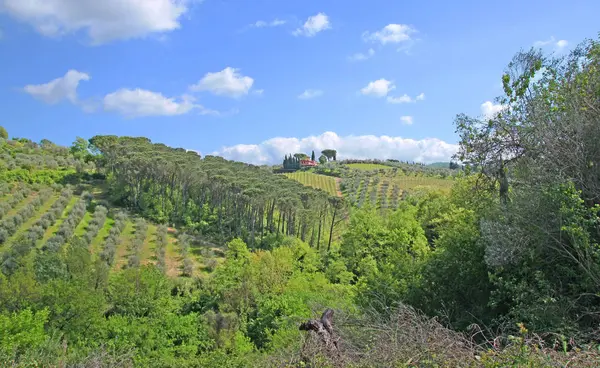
(330, 154)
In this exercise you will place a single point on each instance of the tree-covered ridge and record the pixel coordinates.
(214, 196)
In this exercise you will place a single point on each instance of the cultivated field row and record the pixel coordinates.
(46, 220)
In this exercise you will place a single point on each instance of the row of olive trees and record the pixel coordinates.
(183, 241)
(161, 247)
(13, 257)
(14, 200)
(36, 232)
(67, 227)
(135, 249)
(4, 189)
(9, 226)
(113, 239)
(95, 224)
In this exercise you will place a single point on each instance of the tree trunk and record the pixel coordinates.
(335, 209)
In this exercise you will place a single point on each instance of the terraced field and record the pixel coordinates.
(323, 182)
(48, 219)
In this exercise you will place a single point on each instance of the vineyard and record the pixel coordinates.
(375, 184)
(37, 221)
(325, 183)
(386, 192)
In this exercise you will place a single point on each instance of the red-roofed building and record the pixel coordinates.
(308, 163)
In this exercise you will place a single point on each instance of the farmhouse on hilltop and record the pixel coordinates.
(308, 163)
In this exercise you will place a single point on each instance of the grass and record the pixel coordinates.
(368, 167)
(97, 242)
(323, 182)
(82, 226)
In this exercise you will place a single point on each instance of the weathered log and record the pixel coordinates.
(324, 329)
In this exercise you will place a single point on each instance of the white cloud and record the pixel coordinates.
(310, 93)
(228, 82)
(274, 23)
(133, 103)
(405, 99)
(103, 21)
(378, 88)
(361, 57)
(557, 44)
(273, 150)
(258, 92)
(400, 99)
(58, 89)
(392, 33)
(313, 25)
(490, 109)
(408, 120)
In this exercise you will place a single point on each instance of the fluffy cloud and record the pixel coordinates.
(310, 93)
(382, 87)
(272, 150)
(361, 57)
(392, 33)
(557, 44)
(400, 99)
(490, 109)
(561, 44)
(408, 120)
(133, 103)
(58, 89)
(103, 21)
(313, 25)
(378, 88)
(274, 23)
(228, 82)
(405, 99)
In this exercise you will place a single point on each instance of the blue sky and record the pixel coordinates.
(251, 80)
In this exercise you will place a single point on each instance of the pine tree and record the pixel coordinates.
(312, 156)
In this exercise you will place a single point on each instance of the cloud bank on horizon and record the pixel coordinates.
(383, 147)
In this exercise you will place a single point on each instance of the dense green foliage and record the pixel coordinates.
(508, 253)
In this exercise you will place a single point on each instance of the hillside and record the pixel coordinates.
(123, 252)
(50, 193)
